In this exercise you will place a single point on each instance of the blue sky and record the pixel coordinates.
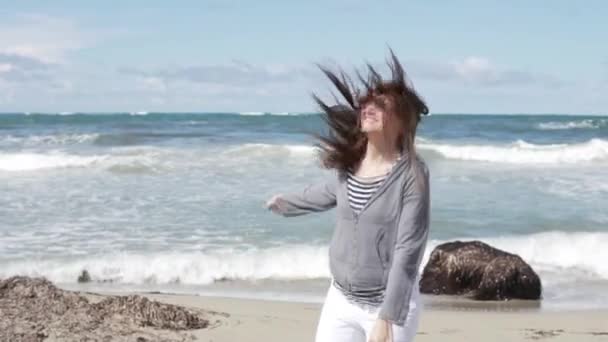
(230, 55)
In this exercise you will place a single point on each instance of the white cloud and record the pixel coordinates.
(152, 83)
(44, 38)
(236, 73)
(480, 71)
(19, 69)
(475, 68)
(36, 65)
(5, 67)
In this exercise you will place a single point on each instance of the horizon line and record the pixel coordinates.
(277, 113)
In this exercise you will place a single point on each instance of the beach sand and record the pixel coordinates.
(262, 320)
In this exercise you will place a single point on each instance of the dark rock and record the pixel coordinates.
(479, 271)
(84, 277)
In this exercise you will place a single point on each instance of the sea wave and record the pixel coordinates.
(289, 262)
(38, 161)
(581, 124)
(49, 139)
(556, 256)
(140, 160)
(274, 113)
(99, 139)
(521, 152)
(270, 150)
(116, 153)
(153, 159)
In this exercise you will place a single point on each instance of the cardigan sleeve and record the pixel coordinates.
(313, 198)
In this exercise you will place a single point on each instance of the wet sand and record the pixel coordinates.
(262, 320)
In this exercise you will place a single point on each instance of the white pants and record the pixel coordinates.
(343, 321)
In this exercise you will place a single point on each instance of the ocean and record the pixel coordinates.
(174, 202)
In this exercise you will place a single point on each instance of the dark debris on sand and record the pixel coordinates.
(33, 309)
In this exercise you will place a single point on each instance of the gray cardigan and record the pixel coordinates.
(380, 248)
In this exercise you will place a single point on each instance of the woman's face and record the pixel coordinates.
(373, 118)
(376, 115)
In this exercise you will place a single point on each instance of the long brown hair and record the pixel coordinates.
(344, 146)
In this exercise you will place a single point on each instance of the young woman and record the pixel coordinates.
(381, 192)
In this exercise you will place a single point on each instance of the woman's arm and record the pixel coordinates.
(411, 241)
(314, 198)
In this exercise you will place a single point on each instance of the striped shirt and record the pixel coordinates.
(360, 190)
(370, 297)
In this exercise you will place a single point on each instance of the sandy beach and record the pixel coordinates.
(262, 320)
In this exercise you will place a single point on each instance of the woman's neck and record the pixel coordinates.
(380, 150)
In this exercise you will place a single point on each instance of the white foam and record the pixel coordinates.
(582, 124)
(121, 160)
(273, 113)
(58, 139)
(38, 161)
(141, 158)
(252, 113)
(273, 150)
(288, 262)
(522, 152)
(557, 256)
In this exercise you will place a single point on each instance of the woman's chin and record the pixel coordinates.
(371, 129)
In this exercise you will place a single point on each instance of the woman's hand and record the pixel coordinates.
(276, 203)
(382, 331)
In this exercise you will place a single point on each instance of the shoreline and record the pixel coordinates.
(433, 302)
(238, 319)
